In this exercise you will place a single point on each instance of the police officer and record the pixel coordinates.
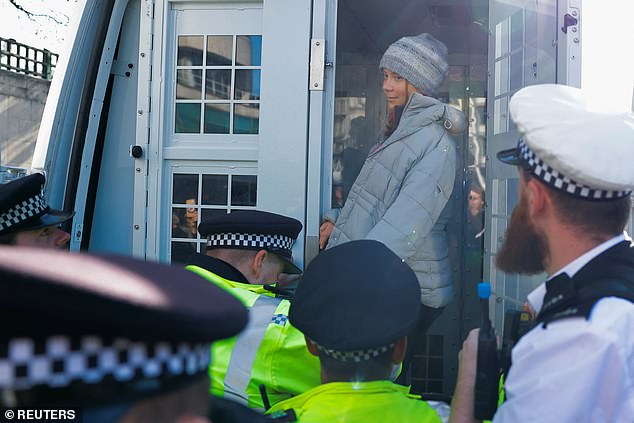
(26, 218)
(576, 177)
(246, 250)
(108, 338)
(356, 304)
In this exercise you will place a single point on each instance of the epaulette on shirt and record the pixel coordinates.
(568, 297)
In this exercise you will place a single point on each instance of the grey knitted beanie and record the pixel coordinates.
(421, 60)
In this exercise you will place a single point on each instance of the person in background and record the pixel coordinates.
(575, 180)
(110, 339)
(356, 304)
(26, 218)
(476, 200)
(354, 153)
(400, 194)
(473, 237)
(181, 251)
(247, 251)
(191, 217)
(475, 217)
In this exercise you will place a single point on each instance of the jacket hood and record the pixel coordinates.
(421, 110)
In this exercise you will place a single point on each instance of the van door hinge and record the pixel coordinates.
(571, 26)
(122, 68)
(318, 64)
(570, 21)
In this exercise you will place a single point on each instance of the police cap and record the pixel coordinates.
(355, 300)
(569, 145)
(92, 330)
(23, 206)
(254, 230)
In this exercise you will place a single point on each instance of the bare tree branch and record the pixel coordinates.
(32, 15)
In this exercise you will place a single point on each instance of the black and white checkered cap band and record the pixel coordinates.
(278, 242)
(353, 356)
(31, 207)
(560, 182)
(57, 362)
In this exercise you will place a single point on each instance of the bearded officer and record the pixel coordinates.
(246, 253)
(26, 218)
(576, 178)
(356, 304)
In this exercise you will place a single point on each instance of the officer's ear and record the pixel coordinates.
(400, 348)
(535, 192)
(311, 347)
(257, 264)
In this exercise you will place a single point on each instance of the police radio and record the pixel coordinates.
(488, 370)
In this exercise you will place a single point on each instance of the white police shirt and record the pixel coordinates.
(576, 370)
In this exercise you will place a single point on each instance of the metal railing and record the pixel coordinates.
(17, 57)
(9, 173)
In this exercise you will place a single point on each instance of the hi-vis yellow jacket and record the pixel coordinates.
(358, 402)
(269, 351)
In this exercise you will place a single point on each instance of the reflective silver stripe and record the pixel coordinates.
(246, 348)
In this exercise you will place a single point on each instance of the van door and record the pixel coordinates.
(227, 120)
(354, 113)
(530, 43)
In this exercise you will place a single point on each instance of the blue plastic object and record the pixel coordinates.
(484, 290)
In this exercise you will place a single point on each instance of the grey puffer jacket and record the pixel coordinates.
(401, 192)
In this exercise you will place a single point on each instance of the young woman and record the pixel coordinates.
(400, 194)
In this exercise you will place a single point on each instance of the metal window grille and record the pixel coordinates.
(20, 58)
(428, 369)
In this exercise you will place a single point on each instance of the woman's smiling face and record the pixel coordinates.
(396, 89)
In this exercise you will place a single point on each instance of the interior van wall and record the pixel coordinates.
(359, 73)
(374, 24)
(112, 220)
